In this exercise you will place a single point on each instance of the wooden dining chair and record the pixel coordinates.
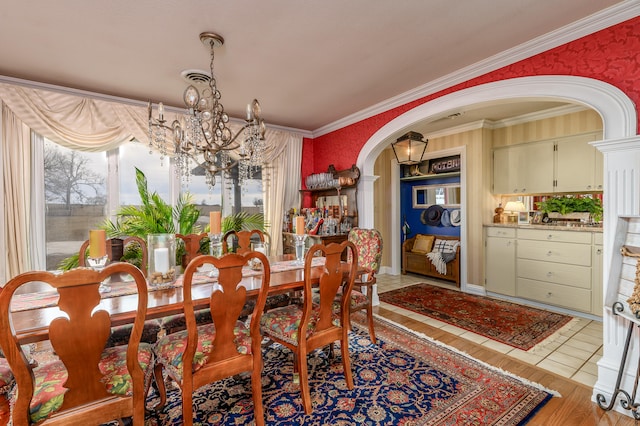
(173, 323)
(115, 250)
(192, 246)
(243, 239)
(207, 353)
(87, 383)
(368, 243)
(304, 328)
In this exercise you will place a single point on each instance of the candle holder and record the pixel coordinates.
(260, 247)
(162, 258)
(215, 249)
(98, 264)
(300, 242)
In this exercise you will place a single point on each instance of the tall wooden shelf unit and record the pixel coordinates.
(346, 213)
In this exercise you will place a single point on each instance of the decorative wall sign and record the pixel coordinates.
(445, 164)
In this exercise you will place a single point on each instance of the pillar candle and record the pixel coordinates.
(161, 259)
(300, 225)
(214, 222)
(97, 243)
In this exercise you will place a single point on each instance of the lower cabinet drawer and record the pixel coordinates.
(554, 294)
(575, 254)
(557, 273)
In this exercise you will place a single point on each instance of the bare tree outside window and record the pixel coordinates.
(70, 178)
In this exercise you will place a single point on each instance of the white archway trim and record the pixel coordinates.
(616, 109)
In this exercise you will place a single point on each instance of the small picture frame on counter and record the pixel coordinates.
(523, 218)
(537, 217)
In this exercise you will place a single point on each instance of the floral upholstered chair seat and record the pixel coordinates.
(357, 299)
(284, 323)
(170, 348)
(6, 377)
(50, 379)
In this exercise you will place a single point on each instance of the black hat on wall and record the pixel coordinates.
(432, 215)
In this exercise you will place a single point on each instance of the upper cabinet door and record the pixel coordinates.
(576, 165)
(523, 169)
(536, 166)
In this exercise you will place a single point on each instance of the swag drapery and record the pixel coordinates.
(91, 124)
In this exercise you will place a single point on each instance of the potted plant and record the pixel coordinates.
(154, 216)
(566, 205)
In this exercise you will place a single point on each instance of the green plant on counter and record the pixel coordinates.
(566, 205)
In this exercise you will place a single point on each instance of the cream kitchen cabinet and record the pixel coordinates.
(555, 267)
(563, 165)
(523, 169)
(596, 275)
(500, 264)
(578, 166)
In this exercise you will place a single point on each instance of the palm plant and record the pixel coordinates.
(154, 216)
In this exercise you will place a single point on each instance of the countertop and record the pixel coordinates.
(579, 228)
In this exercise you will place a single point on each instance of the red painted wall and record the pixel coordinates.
(611, 55)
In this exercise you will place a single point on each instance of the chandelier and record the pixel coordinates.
(202, 139)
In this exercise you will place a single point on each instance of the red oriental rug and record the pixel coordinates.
(406, 379)
(519, 326)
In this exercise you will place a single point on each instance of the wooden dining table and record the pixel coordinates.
(31, 325)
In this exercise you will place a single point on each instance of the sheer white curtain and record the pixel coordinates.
(83, 123)
(37, 234)
(16, 177)
(281, 190)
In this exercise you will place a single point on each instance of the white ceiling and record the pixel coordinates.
(309, 63)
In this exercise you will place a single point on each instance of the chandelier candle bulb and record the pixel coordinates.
(160, 110)
(300, 225)
(215, 219)
(97, 243)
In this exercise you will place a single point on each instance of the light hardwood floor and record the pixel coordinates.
(573, 408)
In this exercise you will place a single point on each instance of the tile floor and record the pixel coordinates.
(572, 353)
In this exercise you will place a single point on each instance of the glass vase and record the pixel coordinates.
(162, 258)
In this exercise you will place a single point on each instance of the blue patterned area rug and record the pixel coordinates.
(406, 379)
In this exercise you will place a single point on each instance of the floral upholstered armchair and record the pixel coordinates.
(368, 243)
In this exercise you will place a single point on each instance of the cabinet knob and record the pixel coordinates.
(524, 189)
(549, 294)
(599, 251)
(515, 190)
(549, 237)
(549, 253)
(588, 186)
(549, 274)
(599, 186)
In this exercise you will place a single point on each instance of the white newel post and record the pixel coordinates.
(622, 198)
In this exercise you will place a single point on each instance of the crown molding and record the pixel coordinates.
(583, 27)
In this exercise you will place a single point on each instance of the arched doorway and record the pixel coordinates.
(616, 109)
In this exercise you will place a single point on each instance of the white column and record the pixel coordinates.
(622, 198)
